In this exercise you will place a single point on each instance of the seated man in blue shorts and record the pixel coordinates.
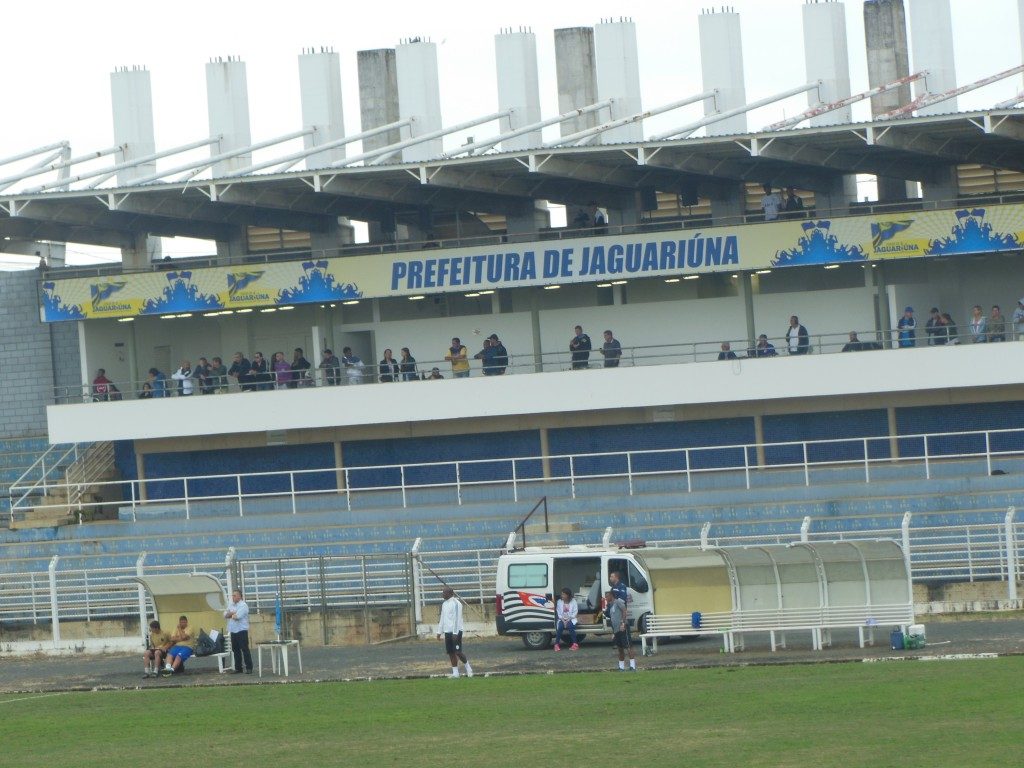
(184, 640)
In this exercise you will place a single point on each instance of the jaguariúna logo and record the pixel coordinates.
(887, 230)
(101, 292)
(239, 281)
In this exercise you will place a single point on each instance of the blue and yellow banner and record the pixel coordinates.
(787, 243)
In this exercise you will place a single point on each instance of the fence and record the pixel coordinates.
(519, 474)
(631, 356)
(412, 581)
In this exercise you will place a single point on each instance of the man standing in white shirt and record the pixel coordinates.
(450, 628)
(238, 627)
(770, 204)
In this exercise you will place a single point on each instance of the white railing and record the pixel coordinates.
(562, 360)
(972, 552)
(521, 474)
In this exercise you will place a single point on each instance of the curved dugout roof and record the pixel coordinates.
(199, 596)
(798, 575)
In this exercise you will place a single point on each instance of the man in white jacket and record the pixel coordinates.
(566, 611)
(450, 628)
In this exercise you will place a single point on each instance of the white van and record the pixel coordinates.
(529, 582)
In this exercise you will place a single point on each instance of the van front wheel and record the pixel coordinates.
(537, 641)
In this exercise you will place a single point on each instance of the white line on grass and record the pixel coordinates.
(31, 698)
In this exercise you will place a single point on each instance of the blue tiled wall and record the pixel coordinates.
(243, 461)
(826, 426)
(497, 445)
(645, 437)
(960, 418)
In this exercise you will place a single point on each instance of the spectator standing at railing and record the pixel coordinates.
(494, 356)
(201, 372)
(331, 366)
(146, 393)
(101, 386)
(218, 375)
(936, 329)
(261, 372)
(184, 378)
(300, 369)
(388, 369)
(727, 353)
(906, 329)
(979, 325)
(793, 203)
(241, 370)
(1018, 318)
(611, 350)
(996, 324)
(764, 348)
(458, 356)
(798, 341)
(158, 382)
(282, 371)
(952, 334)
(771, 203)
(353, 366)
(407, 365)
(855, 344)
(580, 346)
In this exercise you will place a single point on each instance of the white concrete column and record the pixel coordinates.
(378, 96)
(320, 90)
(827, 59)
(721, 62)
(576, 74)
(931, 40)
(419, 96)
(227, 101)
(518, 86)
(618, 77)
(131, 99)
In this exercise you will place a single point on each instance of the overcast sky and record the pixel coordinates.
(57, 56)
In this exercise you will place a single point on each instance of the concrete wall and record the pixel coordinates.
(30, 356)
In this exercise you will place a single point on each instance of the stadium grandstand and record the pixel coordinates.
(344, 484)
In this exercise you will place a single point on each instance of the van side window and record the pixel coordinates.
(636, 580)
(527, 575)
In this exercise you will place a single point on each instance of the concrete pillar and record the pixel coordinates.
(1020, 23)
(235, 247)
(759, 439)
(339, 462)
(227, 101)
(378, 95)
(625, 215)
(576, 74)
(931, 32)
(728, 207)
(140, 473)
(320, 91)
(141, 252)
(545, 454)
(883, 316)
(885, 38)
(339, 233)
(943, 187)
(518, 86)
(419, 96)
(84, 371)
(894, 443)
(826, 58)
(746, 291)
(617, 296)
(131, 100)
(721, 63)
(534, 217)
(538, 356)
(618, 77)
(834, 197)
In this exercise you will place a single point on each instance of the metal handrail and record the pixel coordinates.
(521, 528)
(557, 360)
(515, 478)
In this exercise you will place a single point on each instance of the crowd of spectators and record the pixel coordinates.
(210, 376)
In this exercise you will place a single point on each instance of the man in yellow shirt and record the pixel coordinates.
(159, 644)
(459, 359)
(184, 645)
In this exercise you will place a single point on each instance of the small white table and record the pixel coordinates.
(278, 655)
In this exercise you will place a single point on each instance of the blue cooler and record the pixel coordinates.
(896, 640)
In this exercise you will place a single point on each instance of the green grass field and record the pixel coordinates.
(935, 714)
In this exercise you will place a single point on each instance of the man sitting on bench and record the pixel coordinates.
(159, 644)
(184, 640)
